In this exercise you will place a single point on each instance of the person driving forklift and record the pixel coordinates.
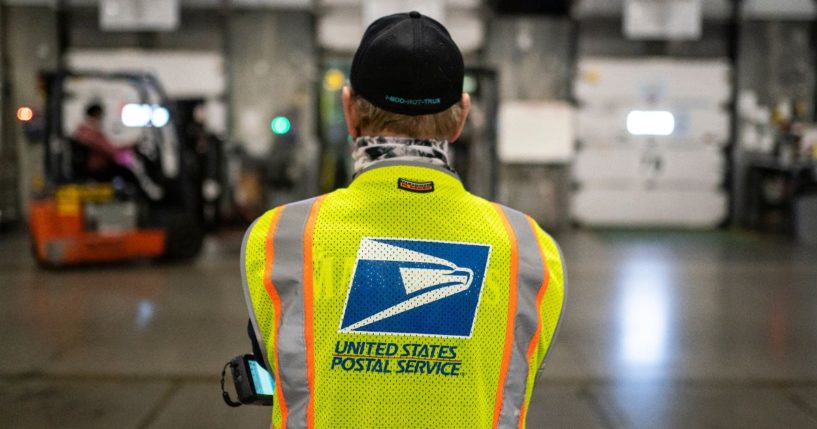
(103, 160)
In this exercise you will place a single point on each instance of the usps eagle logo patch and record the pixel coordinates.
(415, 287)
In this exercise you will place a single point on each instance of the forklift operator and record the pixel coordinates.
(402, 300)
(104, 159)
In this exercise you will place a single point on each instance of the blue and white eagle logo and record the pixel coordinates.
(418, 287)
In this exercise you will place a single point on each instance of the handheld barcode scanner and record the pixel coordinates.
(253, 384)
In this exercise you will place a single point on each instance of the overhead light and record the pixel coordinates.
(160, 117)
(650, 123)
(25, 114)
(143, 115)
(333, 80)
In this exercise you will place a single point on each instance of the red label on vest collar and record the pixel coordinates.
(421, 187)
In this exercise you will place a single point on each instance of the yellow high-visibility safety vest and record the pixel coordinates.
(402, 301)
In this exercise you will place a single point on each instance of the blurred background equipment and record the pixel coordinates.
(143, 208)
(282, 168)
(475, 155)
(206, 161)
(781, 176)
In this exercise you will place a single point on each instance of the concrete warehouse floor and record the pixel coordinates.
(663, 330)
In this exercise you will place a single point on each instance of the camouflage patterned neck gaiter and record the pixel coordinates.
(368, 150)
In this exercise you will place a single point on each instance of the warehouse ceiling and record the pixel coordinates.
(712, 9)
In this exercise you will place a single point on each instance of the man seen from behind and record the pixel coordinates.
(402, 301)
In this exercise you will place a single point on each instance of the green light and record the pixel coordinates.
(280, 125)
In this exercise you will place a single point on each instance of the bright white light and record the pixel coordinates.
(645, 310)
(136, 115)
(144, 314)
(644, 323)
(143, 115)
(160, 116)
(650, 123)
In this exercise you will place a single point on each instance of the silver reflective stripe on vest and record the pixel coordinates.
(562, 312)
(530, 275)
(287, 277)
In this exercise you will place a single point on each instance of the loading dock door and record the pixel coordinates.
(651, 136)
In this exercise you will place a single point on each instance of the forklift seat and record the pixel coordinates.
(78, 159)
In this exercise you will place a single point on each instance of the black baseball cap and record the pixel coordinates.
(407, 63)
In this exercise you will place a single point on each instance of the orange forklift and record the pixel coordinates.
(148, 212)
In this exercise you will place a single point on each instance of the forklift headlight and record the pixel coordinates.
(160, 117)
(143, 115)
(136, 115)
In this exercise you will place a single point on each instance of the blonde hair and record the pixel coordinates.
(434, 126)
